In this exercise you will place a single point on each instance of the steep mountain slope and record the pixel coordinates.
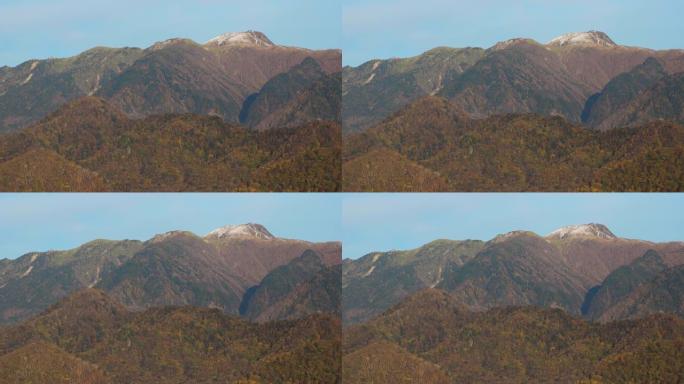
(177, 76)
(252, 62)
(302, 287)
(315, 100)
(172, 345)
(663, 294)
(662, 101)
(378, 88)
(513, 153)
(621, 282)
(517, 268)
(377, 281)
(511, 345)
(280, 90)
(175, 268)
(621, 90)
(280, 282)
(166, 153)
(253, 257)
(593, 59)
(35, 281)
(36, 88)
(595, 256)
(518, 77)
(172, 76)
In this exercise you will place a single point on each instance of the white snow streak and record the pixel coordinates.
(30, 268)
(369, 272)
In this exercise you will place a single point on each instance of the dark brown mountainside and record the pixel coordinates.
(179, 77)
(95, 147)
(517, 268)
(662, 294)
(622, 282)
(305, 81)
(302, 287)
(99, 341)
(433, 335)
(664, 100)
(620, 91)
(174, 268)
(513, 153)
(172, 76)
(522, 77)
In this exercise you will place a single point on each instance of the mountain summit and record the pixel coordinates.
(248, 38)
(591, 38)
(584, 230)
(257, 231)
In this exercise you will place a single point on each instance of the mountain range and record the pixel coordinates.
(579, 305)
(561, 78)
(580, 113)
(237, 269)
(238, 113)
(173, 76)
(585, 270)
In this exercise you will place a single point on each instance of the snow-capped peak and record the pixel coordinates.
(584, 230)
(249, 38)
(592, 38)
(250, 230)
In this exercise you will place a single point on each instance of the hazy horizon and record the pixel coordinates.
(381, 29)
(58, 221)
(401, 221)
(40, 29)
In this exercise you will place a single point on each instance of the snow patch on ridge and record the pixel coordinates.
(583, 230)
(252, 230)
(593, 38)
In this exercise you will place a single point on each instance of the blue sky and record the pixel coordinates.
(380, 222)
(400, 28)
(59, 28)
(39, 222)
